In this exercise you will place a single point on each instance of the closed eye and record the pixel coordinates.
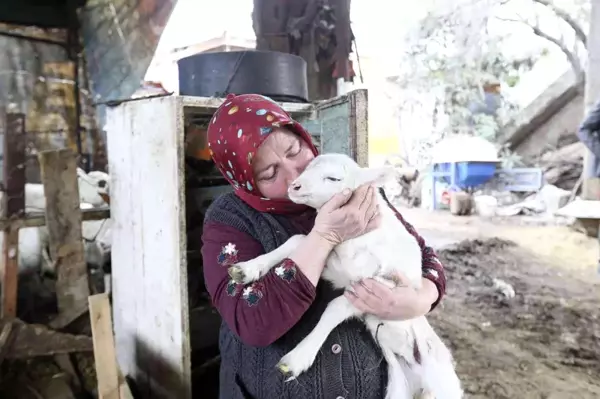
(332, 179)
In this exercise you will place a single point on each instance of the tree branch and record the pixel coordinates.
(567, 18)
(571, 57)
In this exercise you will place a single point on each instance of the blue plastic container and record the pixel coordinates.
(467, 174)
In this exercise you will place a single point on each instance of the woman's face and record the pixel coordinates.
(279, 161)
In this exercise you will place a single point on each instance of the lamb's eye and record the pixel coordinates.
(332, 179)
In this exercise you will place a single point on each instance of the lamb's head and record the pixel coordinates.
(101, 180)
(329, 174)
(94, 187)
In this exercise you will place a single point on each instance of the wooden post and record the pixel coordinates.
(591, 183)
(111, 382)
(14, 203)
(63, 220)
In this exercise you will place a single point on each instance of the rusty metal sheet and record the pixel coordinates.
(38, 79)
(119, 39)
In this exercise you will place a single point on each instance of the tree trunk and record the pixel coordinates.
(591, 183)
(301, 27)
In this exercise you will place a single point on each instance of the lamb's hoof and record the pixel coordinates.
(285, 370)
(236, 273)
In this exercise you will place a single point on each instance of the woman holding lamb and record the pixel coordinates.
(260, 150)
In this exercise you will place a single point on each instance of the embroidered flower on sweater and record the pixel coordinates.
(432, 272)
(228, 255)
(253, 293)
(432, 261)
(232, 288)
(286, 270)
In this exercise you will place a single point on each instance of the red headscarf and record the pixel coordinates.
(239, 126)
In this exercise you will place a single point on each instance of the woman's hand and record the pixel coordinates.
(348, 215)
(402, 302)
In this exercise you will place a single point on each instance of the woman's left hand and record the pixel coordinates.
(402, 302)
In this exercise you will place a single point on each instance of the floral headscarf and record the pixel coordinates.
(238, 127)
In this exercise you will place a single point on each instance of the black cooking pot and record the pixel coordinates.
(280, 76)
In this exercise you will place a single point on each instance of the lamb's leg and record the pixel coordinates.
(398, 385)
(401, 382)
(252, 270)
(439, 379)
(304, 354)
(438, 376)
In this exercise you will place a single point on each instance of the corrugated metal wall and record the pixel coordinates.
(119, 39)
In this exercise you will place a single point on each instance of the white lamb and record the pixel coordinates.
(93, 193)
(93, 190)
(418, 361)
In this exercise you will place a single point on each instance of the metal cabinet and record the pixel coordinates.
(146, 151)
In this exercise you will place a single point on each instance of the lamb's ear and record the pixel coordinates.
(376, 176)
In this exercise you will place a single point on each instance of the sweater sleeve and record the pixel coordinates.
(260, 312)
(433, 269)
(589, 131)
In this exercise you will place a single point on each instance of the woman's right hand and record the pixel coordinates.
(348, 215)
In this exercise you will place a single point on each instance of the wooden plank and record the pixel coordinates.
(10, 279)
(55, 387)
(39, 219)
(359, 126)
(104, 347)
(5, 335)
(124, 390)
(68, 316)
(31, 340)
(66, 365)
(63, 219)
(150, 299)
(14, 197)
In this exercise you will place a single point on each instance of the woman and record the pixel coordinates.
(260, 150)
(589, 134)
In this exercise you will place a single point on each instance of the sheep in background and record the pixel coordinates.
(94, 187)
(374, 255)
(31, 244)
(33, 241)
(97, 244)
(93, 190)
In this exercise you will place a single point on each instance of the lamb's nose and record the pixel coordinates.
(295, 186)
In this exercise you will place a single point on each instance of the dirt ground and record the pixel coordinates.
(544, 342)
